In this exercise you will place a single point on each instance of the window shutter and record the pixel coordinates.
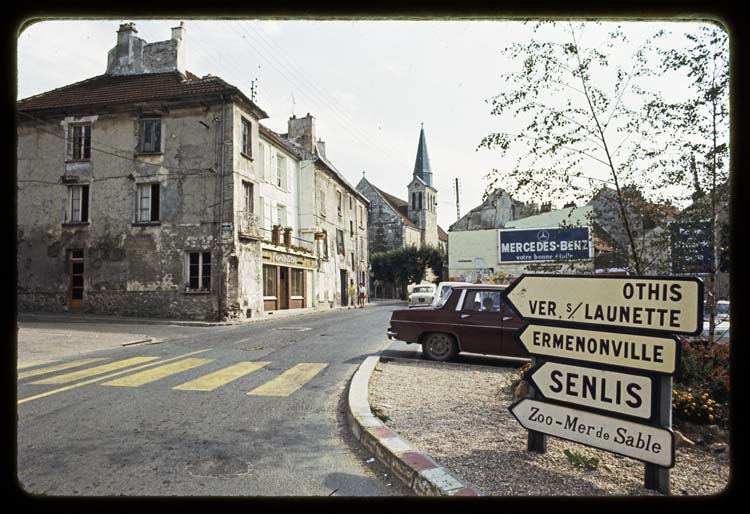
(84, 203)
(154, 202)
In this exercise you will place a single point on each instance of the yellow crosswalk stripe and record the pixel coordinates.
(222, 377)
(98, 379)
(59, 367)
(31, 364)
(96, 370)
(289, 381)
(152, 375)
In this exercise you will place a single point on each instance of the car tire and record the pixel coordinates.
(439, 347)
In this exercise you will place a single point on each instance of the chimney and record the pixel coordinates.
(178, 36)
(123, 55)
(302, 131)
(322, 148)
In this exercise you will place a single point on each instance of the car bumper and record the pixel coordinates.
(391, 334)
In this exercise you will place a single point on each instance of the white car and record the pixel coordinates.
(721, 328)
(422, 295)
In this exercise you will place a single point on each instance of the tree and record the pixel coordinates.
(696, 156)
(407, 265)
(570, 117)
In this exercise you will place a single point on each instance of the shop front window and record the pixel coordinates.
(269, 281)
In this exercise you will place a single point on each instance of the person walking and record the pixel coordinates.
(352, 295)
(362, 293)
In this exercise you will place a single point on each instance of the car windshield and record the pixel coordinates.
(422, 289)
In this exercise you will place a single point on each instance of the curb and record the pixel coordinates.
(417, 470)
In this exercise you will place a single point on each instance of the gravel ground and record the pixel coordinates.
(458, 414)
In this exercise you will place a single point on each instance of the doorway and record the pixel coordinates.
(344, 288)
(75, 280)
(283, 288)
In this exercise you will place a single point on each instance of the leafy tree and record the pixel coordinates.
(697, 153)
(407, 265)
(572, 120)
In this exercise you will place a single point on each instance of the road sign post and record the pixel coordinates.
(605, 344)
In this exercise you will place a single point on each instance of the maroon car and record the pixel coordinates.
(472, 318)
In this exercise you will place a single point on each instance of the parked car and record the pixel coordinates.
(444, 288)
(422, 295)
(469, 318)
(721, 328)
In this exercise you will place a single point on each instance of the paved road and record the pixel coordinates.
(245, 410)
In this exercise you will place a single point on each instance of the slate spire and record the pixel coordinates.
(422, 164)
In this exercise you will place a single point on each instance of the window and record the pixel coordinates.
(352, 254)
(281, 215)
(482, 301)
(246, 138)
(200, 271)
(249, 202)
(340, 242)
(298, 282)
(269, 281)
(281, 171)
(147, 208)
(79, 204)
(322, 195)
(151, 135)
(351, 204)
(419, 197)
(79, 142)
(339, 202)
(361, 216)
(351, 228)
(414, 201)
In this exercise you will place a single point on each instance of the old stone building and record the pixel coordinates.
(149, 191)
(396, 223)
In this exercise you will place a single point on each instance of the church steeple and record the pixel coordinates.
(422, 163)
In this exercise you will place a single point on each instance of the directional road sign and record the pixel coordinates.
(669, 305)
(648, 353)
(599, 389)
(646, 443)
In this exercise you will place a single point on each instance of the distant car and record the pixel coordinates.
(444, 288)
(721, 320)
(422, 295)
(468, 318)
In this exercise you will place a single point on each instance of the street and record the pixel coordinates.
(243, 410)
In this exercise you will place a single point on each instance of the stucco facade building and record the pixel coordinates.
(149, 191)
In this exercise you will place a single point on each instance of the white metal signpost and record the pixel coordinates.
(605, 344)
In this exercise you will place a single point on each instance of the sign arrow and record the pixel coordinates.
(646, 443)
(611, 391)
(671, 305)
(648, 353)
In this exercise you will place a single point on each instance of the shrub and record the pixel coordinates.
(705, 367)
(698, 407)
(580, 461)
(523, 369)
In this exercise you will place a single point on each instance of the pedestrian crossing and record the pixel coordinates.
(139, 371)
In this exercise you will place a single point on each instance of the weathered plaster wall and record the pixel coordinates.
(385, 227)
(129, 269)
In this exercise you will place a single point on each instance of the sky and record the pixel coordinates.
(370, 84)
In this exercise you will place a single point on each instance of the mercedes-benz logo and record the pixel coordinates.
(542, 235)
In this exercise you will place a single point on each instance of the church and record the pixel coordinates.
(396, 223)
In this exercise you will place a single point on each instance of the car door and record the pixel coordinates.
(478, 324)
(511, 324)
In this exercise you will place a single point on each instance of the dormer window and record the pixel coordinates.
(150, 135)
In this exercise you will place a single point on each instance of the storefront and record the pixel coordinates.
(286, 280)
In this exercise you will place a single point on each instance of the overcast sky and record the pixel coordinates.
(369, 84)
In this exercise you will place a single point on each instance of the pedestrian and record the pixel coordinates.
(352, 295)
(362, 292)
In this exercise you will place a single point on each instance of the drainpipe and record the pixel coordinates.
(220, 256)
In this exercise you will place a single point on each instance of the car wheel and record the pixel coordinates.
(439, 347)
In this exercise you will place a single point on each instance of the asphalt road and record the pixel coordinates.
(132, 431)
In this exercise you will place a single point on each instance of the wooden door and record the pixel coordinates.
(75, 280)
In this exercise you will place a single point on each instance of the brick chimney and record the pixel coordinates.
(302, 132)
(133, 56)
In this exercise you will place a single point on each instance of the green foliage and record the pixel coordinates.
(581, 461)
(403, 266)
